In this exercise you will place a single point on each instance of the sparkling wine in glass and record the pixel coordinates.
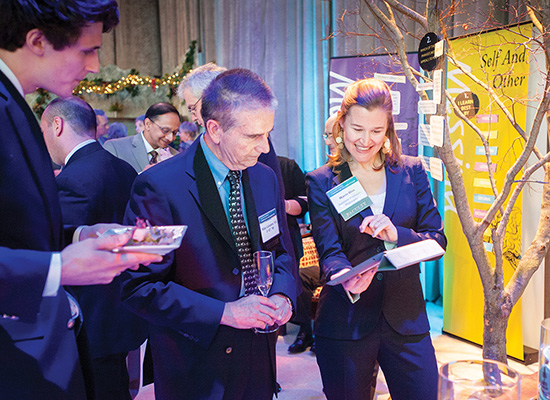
(264, 264)
(263, 260)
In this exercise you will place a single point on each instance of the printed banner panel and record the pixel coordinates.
(500, 59)
(346, 70)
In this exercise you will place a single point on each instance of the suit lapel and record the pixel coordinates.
(37, 158)
(393, 187)
(341, 173)
(139, 151)
(251, 213)
(207, 196)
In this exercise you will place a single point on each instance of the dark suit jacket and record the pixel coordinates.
(295, 186)
(398, 294)
(41, 347)
(94, 187)
(184, 296)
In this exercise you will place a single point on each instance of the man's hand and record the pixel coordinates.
(359, 283)
(250, 312)
(91, 261)
(283, 307)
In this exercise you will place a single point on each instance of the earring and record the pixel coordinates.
(387, 146)
(339, 140)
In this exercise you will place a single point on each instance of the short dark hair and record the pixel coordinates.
(160, 109)
(140, 118)
(234, 90)
(61, 21)
(74, 111)
(100, 113)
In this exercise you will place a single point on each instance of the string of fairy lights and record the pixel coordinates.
(130, 83)
(133, 80)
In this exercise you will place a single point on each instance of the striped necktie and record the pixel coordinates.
(154, 157)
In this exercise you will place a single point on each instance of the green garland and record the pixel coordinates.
(130, 83)
(133, 80)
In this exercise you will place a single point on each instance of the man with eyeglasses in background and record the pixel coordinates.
(151, 146)
(194, 84)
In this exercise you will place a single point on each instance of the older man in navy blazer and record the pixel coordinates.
(94, 187)
(201, 315)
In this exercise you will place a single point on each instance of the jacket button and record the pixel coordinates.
(228, 350)
(379, 276)
(70, 324)
(235, 271)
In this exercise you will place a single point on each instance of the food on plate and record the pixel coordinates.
(146, 234)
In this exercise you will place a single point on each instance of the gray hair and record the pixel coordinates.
(198, 79)
(233, 91)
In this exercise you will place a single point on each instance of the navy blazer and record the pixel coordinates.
(37, 347)
(184, 296)
(398, 295)
(94, 187)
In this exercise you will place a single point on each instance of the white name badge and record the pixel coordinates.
(349, 198)
(269, 226)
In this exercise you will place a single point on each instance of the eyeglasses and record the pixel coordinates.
(165, 130)
(194, 106)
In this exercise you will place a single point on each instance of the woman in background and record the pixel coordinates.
(376, 316)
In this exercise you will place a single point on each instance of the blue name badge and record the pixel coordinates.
(269, 226)
(349, 198)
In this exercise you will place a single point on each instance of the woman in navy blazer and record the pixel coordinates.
(378, 316)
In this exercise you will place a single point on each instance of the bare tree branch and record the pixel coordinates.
(409, 13)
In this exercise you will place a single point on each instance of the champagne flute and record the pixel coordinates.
(263, 260)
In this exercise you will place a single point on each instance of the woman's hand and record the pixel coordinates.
(359, 283)
(379, 227)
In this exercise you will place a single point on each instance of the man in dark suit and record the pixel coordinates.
(151, 146)
(198, 301)
(52, 48)
(94, 186)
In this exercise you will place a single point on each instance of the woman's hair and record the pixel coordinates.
(370, 94)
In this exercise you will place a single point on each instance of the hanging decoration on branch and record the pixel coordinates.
(133, 81)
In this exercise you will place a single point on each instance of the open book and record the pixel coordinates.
(394, 259)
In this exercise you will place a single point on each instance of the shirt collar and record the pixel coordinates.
(148, 147)
(11, 76)
(218, 169)
(76, 148)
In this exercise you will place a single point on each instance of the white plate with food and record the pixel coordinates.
(151, 239)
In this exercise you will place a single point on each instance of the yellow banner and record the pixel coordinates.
(501, 60)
